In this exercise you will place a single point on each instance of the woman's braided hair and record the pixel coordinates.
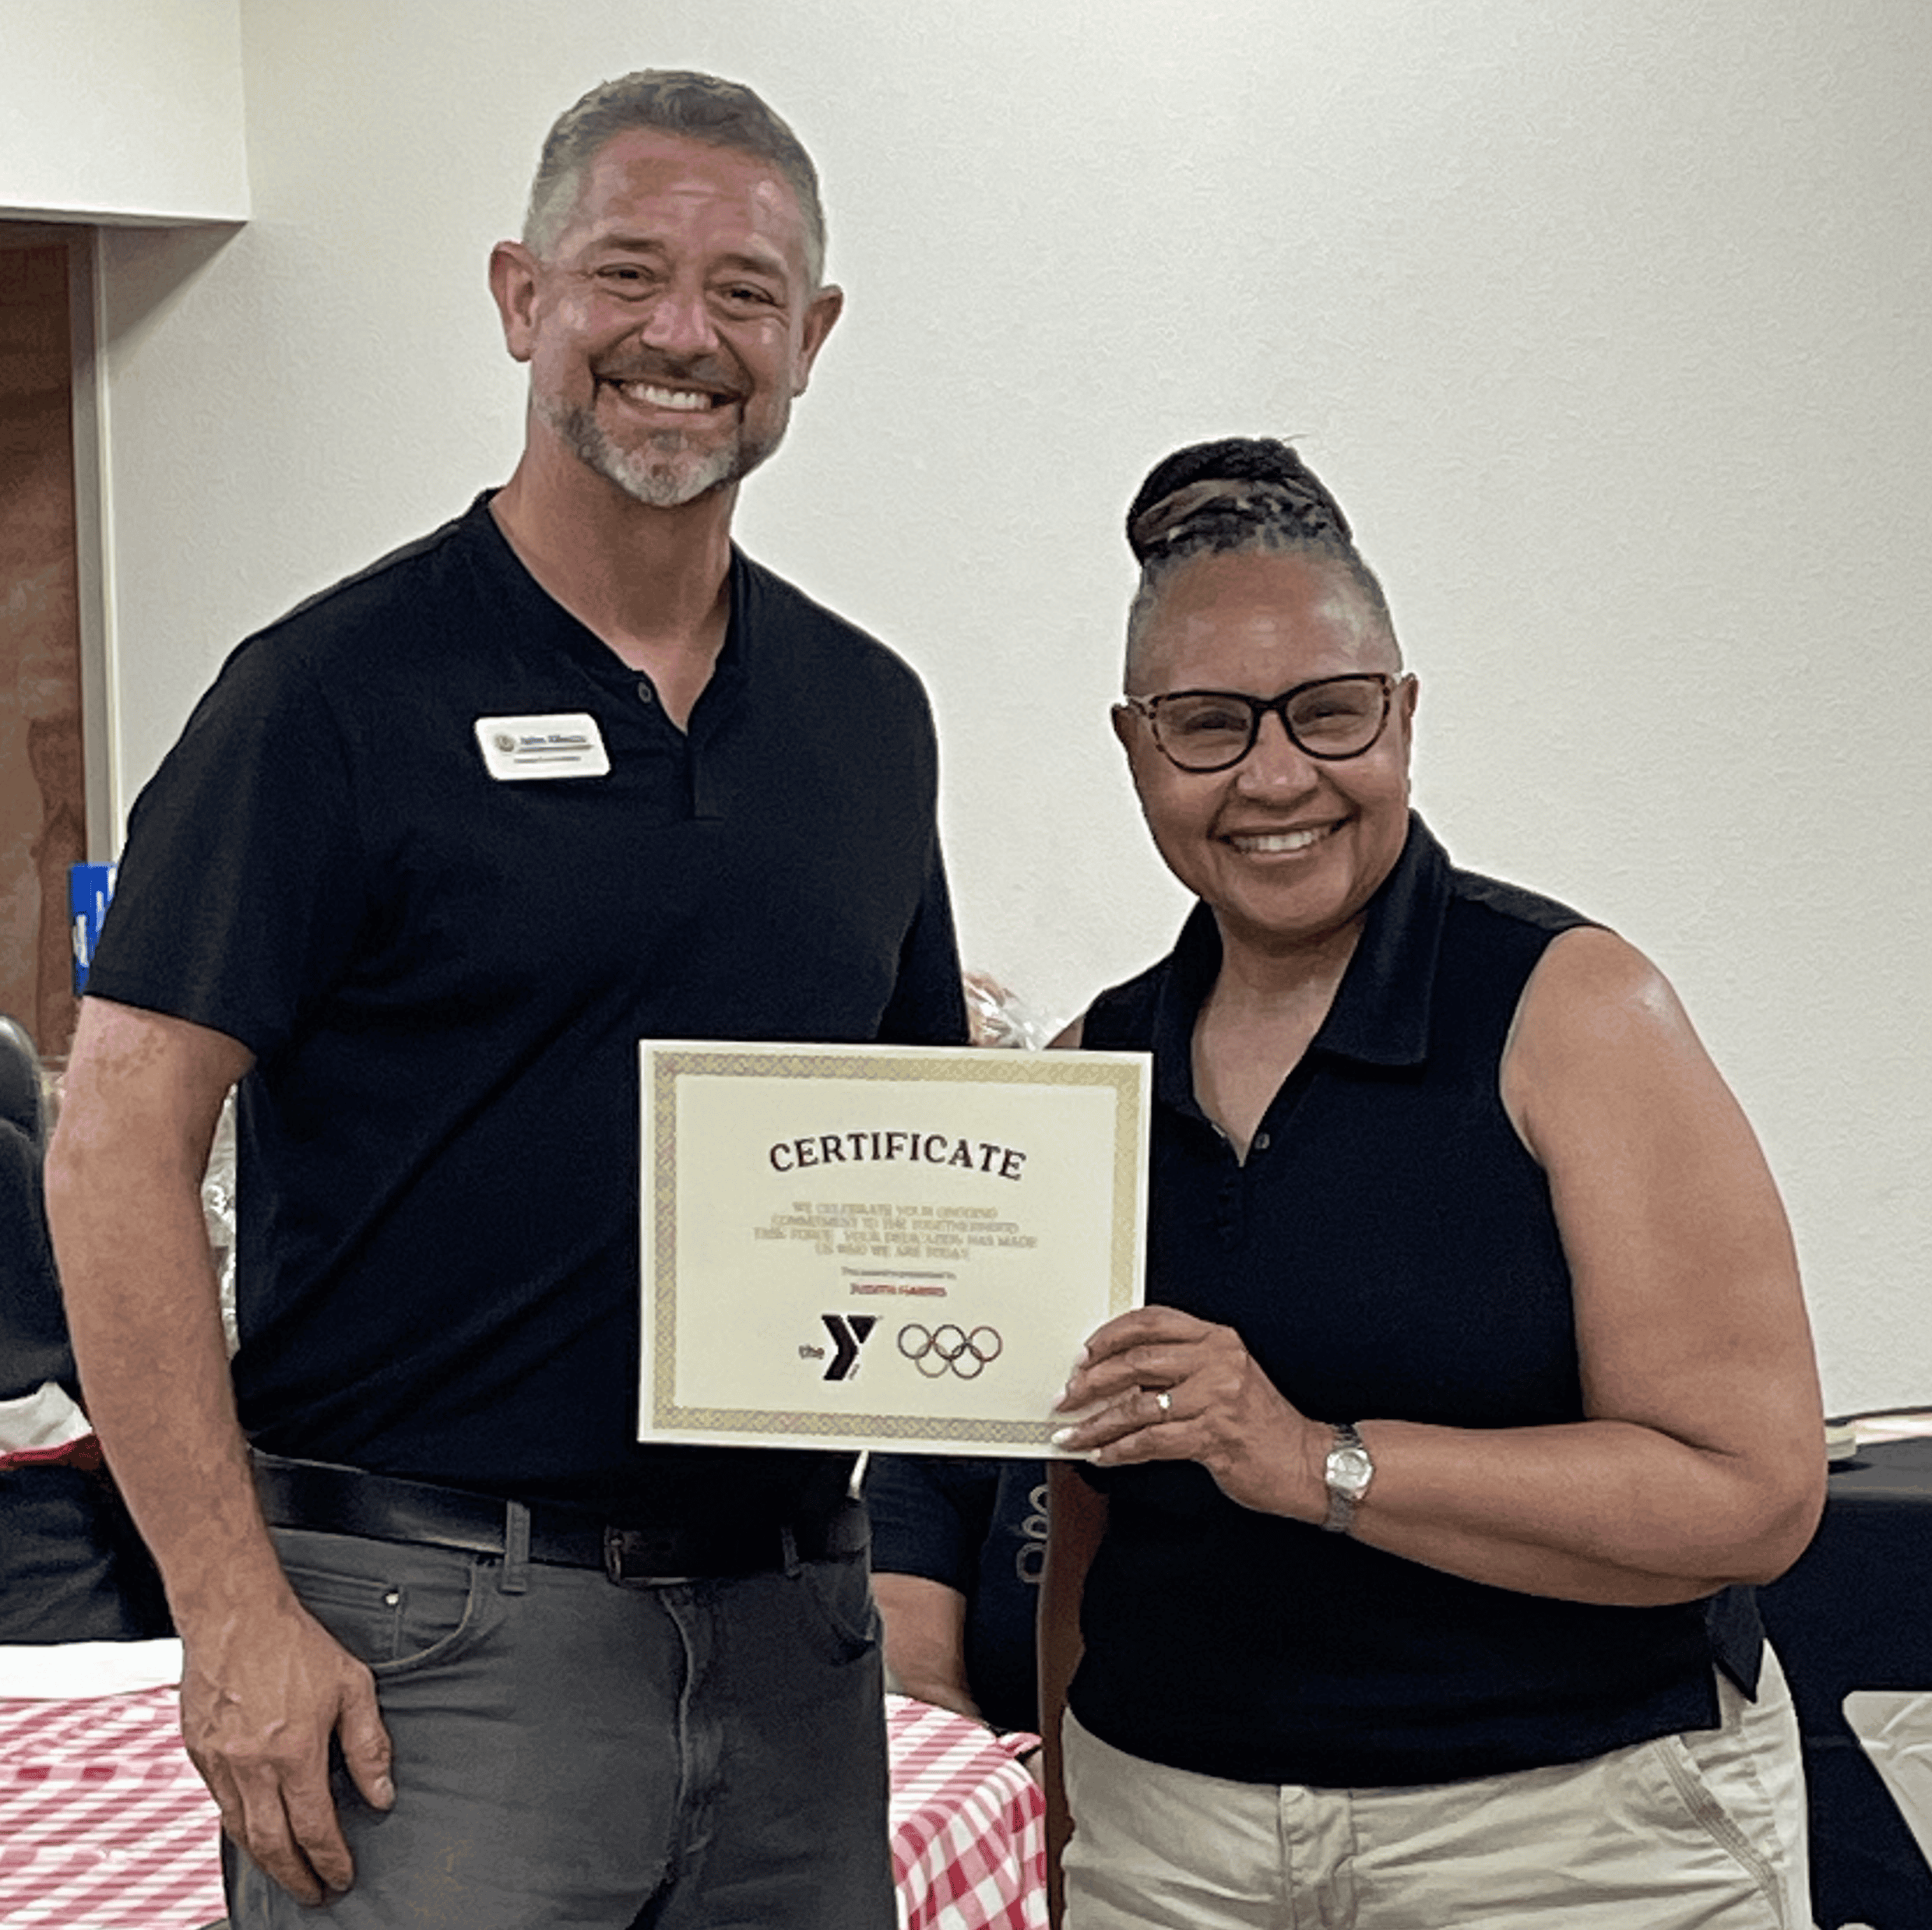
(1240, 494)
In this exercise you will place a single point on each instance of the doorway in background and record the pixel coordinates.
(43, 780)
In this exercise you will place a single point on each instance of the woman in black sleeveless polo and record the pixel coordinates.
(1411, 1545)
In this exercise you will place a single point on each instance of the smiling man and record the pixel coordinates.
(562, 1679)
(705, 386)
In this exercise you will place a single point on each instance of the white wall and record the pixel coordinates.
(121, 111)
(1609, 326)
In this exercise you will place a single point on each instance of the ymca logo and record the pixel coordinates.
(849, 1332)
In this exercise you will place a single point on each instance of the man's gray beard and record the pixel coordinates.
(663, 478)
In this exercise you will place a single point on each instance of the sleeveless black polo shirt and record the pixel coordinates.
(1388, 1250)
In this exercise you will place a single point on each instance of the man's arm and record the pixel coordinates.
(264, 1685)
(929, 1519)
(925, 1640)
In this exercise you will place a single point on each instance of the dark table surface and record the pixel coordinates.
(1856, 1612)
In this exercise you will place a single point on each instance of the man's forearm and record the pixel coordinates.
(144, 1311)
(124, 1203)
(263, 1686)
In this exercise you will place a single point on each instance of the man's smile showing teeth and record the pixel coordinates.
(688, 399)
(1262, 841)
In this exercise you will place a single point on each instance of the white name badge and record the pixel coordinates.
(565, 744)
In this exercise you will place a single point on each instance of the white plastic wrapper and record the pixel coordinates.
(999, 1017)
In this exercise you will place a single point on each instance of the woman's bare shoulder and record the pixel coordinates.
(1599, 1024)
(1589, 979)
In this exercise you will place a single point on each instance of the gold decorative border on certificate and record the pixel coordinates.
(666, 1065)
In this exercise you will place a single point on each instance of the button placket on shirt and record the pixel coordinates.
(1229, 1199)
(632, 685)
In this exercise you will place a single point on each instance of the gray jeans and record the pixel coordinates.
(573, 1755)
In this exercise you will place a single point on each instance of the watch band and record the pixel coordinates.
(1350, 1468)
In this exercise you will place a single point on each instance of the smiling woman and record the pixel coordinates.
(1440, 1162)
(1288, 842)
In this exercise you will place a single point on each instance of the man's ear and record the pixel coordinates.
(824, 308)
(514, 272)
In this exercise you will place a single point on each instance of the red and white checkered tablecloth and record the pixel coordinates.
(105, 1826)
(103, 1823)
(968, 1825)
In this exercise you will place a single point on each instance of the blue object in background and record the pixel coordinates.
(89, 889)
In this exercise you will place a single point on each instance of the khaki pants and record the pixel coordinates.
(1702, 1831)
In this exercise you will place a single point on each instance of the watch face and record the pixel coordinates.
(1349, 1468)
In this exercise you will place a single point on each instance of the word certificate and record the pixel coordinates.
(897, 1246)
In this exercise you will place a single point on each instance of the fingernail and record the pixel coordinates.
(1060, 1436)
(385, 1792)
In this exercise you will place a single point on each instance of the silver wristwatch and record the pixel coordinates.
(1349, 1470)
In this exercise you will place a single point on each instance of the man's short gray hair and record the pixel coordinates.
(698, 107)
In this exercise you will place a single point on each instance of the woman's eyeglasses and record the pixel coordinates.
(1331, 718)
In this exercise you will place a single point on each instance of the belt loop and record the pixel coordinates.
(515, 1579)
(788, 1552)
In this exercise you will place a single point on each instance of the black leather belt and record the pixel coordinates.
(348, 1501)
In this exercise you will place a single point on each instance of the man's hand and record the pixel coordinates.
(262, 1694)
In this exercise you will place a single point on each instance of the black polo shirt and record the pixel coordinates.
(1388, 1250)
(443, 971)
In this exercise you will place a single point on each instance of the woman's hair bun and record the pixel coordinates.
(1212, 494)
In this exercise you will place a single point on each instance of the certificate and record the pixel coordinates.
(881, 1246)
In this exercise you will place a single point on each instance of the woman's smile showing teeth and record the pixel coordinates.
(1263, 841)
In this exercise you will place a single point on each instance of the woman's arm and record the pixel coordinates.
(1076, 1516)
(1701, 1462)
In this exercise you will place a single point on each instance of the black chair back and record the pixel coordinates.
(20, 1101)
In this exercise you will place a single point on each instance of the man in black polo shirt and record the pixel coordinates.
(430, 856)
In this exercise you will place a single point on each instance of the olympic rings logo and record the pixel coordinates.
(938, 1351)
